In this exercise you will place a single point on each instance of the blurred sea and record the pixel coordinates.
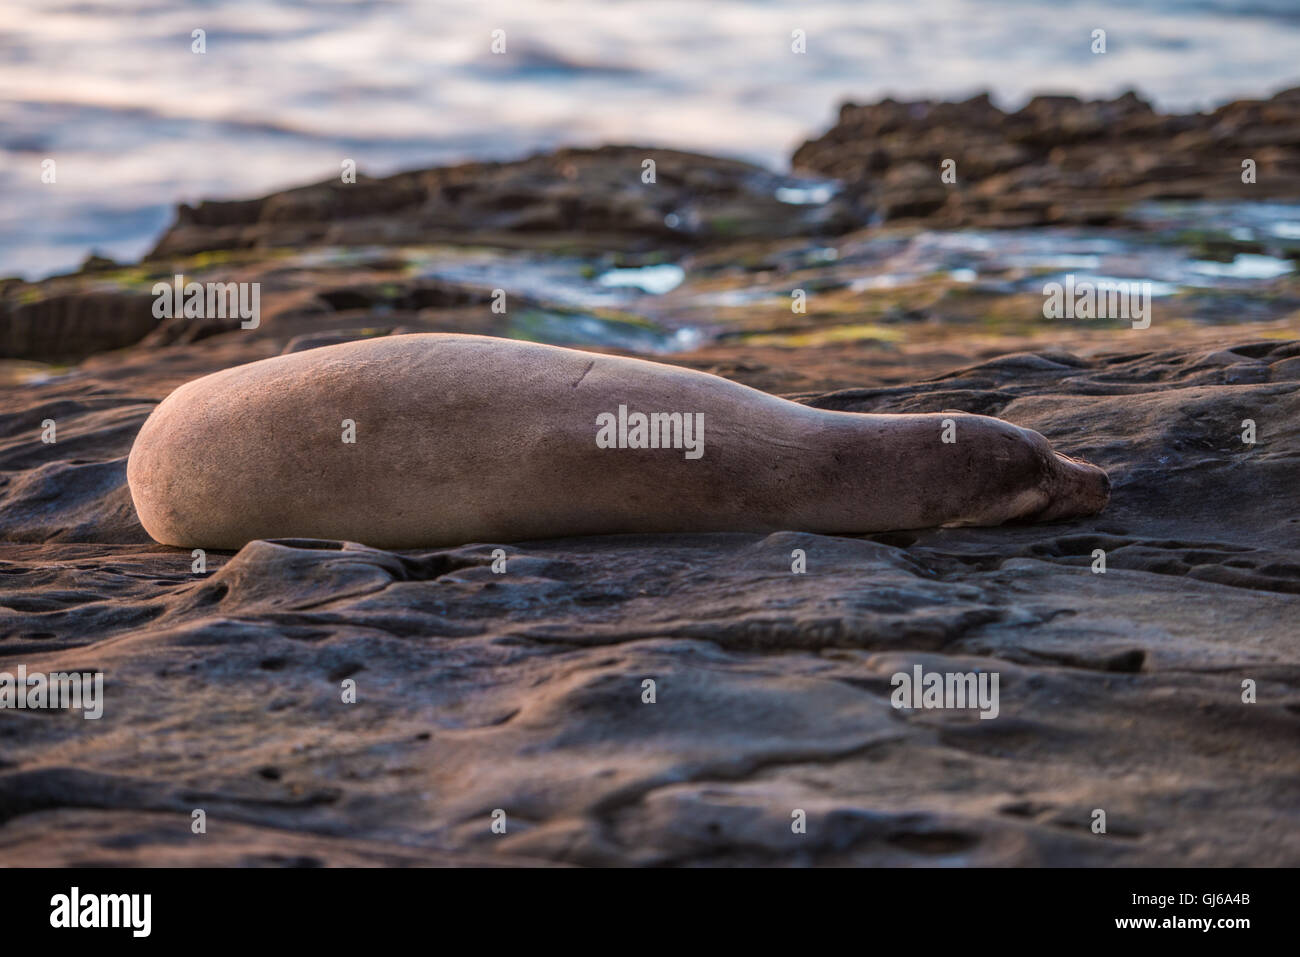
(136, 122)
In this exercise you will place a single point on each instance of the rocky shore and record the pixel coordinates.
(1057, 160)
(1120, 691)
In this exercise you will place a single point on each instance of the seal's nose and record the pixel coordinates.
(1092, 486)
(1084, 489)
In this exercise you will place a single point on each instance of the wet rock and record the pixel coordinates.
(1058, 159)
(591, 198)
(70, 325)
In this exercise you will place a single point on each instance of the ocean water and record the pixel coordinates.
(136, 122)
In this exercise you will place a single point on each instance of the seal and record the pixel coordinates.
(439, 439)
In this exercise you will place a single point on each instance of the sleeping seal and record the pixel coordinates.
(435, 439)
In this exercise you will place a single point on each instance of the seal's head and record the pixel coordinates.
(1075, 488)
(1035, 483)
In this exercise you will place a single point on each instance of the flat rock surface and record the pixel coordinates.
(523, 691)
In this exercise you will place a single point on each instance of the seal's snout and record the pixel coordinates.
(1081, 489)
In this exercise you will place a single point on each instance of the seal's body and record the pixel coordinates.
(460, 439)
